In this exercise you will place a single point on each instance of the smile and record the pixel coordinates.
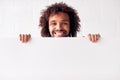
(59, 33)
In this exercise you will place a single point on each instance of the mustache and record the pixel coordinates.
(59, 31)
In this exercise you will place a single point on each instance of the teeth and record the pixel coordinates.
(59, 33)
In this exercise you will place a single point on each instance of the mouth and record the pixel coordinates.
(59, 33)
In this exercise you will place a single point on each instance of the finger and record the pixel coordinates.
(89, 36)
(23, 38)
(29, 36)
(98, 36)
(20, 37)
(93, 37)
(26, 37)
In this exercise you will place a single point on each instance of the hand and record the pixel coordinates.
(24, 37)
(94, 37)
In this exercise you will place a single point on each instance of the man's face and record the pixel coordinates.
(59, 25)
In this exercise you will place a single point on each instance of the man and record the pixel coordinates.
(59, 20)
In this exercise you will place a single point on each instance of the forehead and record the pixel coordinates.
(59, 15)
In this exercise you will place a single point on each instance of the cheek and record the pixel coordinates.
(67, 28)
(50, 29)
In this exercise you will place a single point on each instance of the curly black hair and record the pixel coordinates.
(55, 8)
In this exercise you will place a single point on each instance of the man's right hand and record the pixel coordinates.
(24, 37)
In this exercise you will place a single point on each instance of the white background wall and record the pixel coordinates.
(60, 59)
(97, 16)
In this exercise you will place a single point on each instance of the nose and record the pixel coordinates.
(59, 26)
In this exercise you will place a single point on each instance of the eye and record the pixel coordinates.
(65, 23)
(53, 23)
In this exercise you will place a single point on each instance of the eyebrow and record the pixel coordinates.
(65, 20)
(61, 20)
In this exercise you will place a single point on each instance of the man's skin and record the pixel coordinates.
(24, 38)
(59, 26)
